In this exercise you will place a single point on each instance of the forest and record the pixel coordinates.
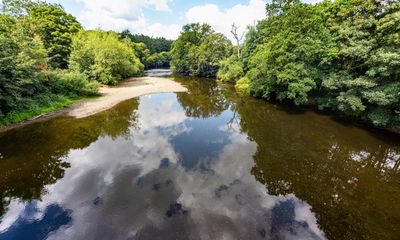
(153, 52)
(48, 61)
(341, 55)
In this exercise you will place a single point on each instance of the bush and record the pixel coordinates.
(242, 86)
(71, 83)
(31, 107)
(231, 70)
(158, 60)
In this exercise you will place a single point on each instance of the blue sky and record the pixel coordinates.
(164, 17)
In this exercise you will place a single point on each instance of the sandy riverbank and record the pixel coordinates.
(111, 96)
(130, 88)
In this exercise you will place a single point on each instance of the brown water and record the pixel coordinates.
(206, 164)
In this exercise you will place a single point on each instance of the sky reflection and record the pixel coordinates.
(172, 177)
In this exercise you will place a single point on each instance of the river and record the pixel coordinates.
(206, 164)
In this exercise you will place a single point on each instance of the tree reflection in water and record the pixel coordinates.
(34, 156)
(205, 164)
(350, 176)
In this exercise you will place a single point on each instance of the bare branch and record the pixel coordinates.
(234, 31)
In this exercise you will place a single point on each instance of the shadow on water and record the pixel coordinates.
(206, 164)
(34, 156)
(350, 176)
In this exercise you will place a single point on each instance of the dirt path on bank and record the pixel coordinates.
(130, 88)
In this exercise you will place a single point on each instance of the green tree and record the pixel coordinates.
(141, 51)
(198, 51)
(103, 57)
(208, 55)
(27, 87)
(57, 29)
(21, 59)
(342, 55)
(191, 37)
(251, 41)
(154, 44)
(158, 60)
(289, 63)
(17, 8)
(365, 80)
(231, 70)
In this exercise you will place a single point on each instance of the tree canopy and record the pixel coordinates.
(199, 50)
(101, 56)
(57, 29)
(48, 59)
(342, 55)
(154, 44)
(26, 84)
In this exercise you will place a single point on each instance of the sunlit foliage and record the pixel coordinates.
(342, 55)
(101, 56)
(199, 50)
(29, 84)
(56, 28)
(154, 44)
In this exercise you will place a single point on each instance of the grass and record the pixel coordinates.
(37, 108)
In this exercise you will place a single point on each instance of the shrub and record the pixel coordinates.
(231, 70)
(71, 83)
(158, 60)
(242, 86)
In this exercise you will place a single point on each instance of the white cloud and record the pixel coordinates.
(117, 188)
(126, 9)
(221, 20)
(169, 31)
(119, 15)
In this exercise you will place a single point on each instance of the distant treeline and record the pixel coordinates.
(153, 52)
(47, 60)
(342, 55)
(154, 44)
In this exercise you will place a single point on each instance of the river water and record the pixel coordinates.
(206, 164)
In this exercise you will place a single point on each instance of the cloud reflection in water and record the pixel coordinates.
(150, 186)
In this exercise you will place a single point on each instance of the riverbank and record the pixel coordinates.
(38, 111)
(110, 96)
(130, 88)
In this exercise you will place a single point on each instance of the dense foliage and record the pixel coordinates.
(101, 56)
(27, 87)
(154, 44)
(57, 29)
(47, 60)
(342, 55)
(158, 60)
(198, 51)
(230, 70)
(152, 52)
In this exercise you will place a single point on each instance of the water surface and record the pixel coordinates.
(206, 164)
(162, 72)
